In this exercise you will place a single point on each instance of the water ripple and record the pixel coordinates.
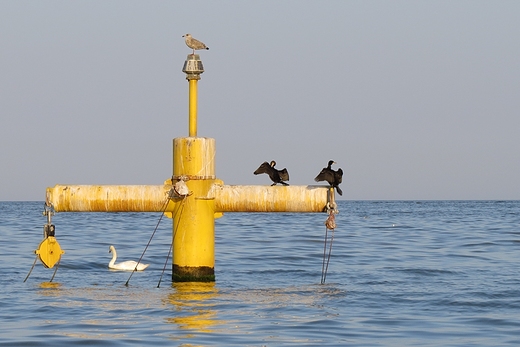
(402, 273)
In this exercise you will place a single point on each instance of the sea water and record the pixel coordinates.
(401, 273)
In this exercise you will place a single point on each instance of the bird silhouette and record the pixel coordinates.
(333, 177)
(194, 44)
(277, 176)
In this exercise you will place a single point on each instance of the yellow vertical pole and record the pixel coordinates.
(192, 68)
(194, 221)
(193, 108)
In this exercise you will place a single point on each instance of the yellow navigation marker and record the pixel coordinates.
(49, 252)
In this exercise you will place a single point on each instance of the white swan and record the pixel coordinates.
(128, 265)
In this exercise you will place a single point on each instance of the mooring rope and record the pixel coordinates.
(163, 209)
(171, 245)
(325, 265)
(165, 264)
(326, 258)
(32, 267)
(330, 224)
(55, 270)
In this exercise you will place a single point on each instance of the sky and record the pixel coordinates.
(414, 100)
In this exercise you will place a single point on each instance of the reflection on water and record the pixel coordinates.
(190, 307)
(194, 306)
(50, 289)
(50, 285)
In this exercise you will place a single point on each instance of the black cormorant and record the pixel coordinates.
(277, 176)
(333, 177)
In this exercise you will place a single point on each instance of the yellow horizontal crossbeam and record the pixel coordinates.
(269, 198)
(151, 198)
(107, 198)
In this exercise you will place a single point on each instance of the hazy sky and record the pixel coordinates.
(412, 99)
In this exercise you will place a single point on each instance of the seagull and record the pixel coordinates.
(333, 177)
(194, 44)
(277, 176)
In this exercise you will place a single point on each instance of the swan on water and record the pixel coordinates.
(128, 265)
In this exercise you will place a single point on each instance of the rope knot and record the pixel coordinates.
(330, 223)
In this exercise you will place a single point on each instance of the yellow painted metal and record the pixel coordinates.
(107, 198)
(218, 214)
(193, 221)
(192, 107)
(49, 252)
(194, 158)
(269, 198)
(228, 198)
(194, 228)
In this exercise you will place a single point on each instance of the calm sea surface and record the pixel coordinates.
(402, 273)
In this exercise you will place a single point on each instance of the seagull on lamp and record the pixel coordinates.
(193, 43)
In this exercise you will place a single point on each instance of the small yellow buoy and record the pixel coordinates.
(49, 252)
